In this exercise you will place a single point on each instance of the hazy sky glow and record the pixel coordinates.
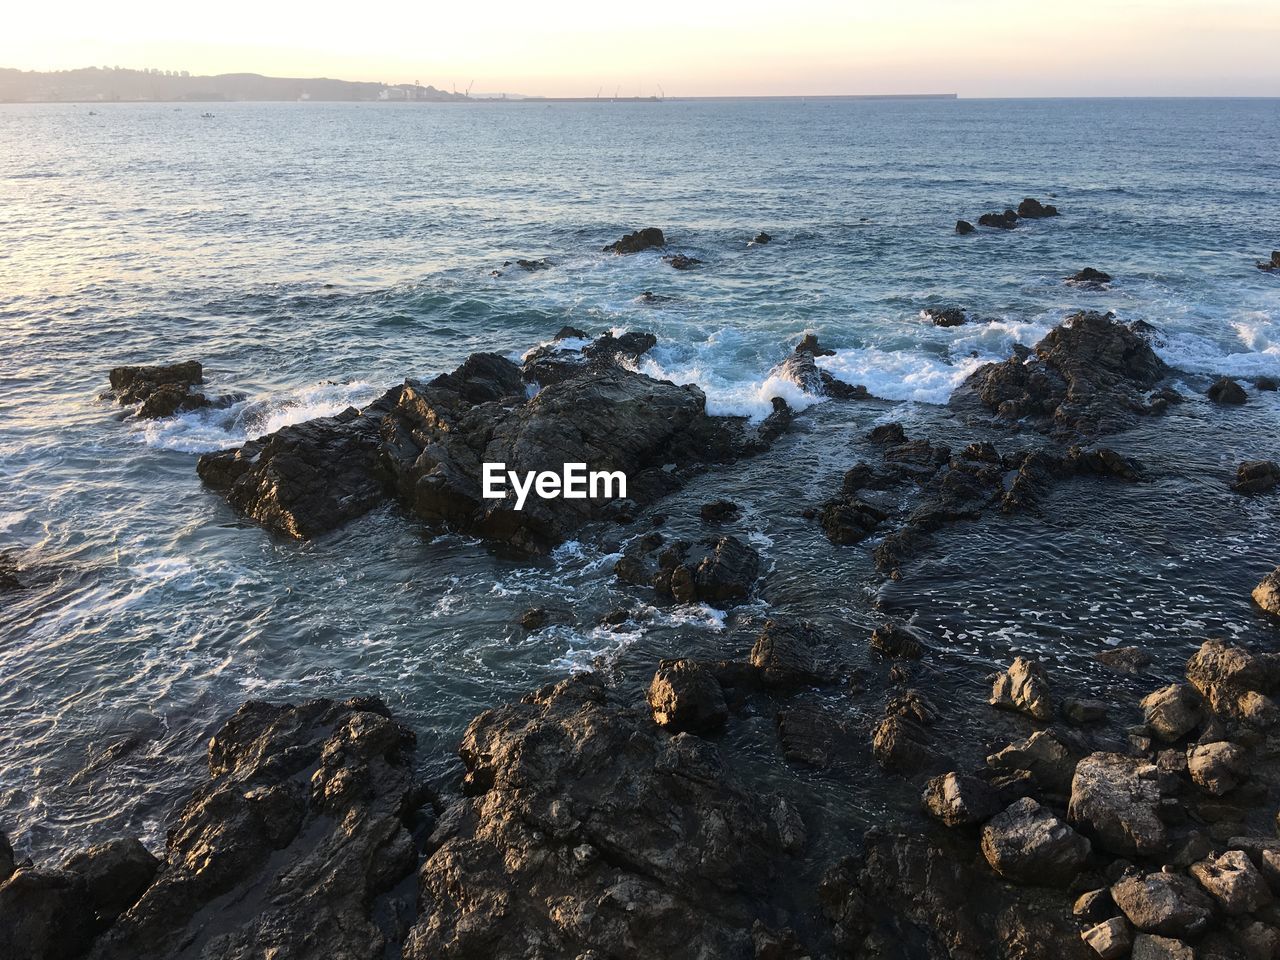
(707, 48)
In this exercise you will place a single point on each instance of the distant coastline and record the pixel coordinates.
(116, 85)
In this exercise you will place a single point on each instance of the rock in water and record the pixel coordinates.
(160, 391)
(305, 479)
(1116, 800)
(635, 242)
(116, 873)
(1267, 593)
(762, 238)
(898, 640)
(1032, 209)
(1227, 391)
(1001, 221)
(1172, 712)
(1028, 844)
(1256, 476)
(946, 316)
(1272, 264)
(1087, 376)
(292, 847)
(1090, 277)
(591, 832)
(1024, 687)
(964, 227)
(685, 696)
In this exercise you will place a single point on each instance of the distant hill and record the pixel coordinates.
(93, 84)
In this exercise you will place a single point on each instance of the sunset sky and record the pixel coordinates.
(714, 47)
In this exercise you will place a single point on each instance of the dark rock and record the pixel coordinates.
(591, 832)
(535, 618)
(6, 858)
(1115, 799)
(1094, 906)
(847, 519)
(1168, 904)
(1023, 687)
(788, 653)
(958, 800)
(116, 874)
(762, 237)
(1090, 277)
(686, 697)
(1028, 844)
(292, 844)
(681, 262)
(1087, 376)
(946, 316)
(809, 344)
(1032, 209)
(718, 571)
(1267, 593)
(898, 640)
(1256, 476)
(1001, 221)
(718, 511)
(305, 479)
(640, 240)
(900, 744)
(1227, 391)
(1233, 881)
(570, 333)
(810, 734)
(964, 227)
(1272, 264)
(532, 265)
(1082, 712)
(1124, 659)
(45, 915)
(1266, 384)
(649, 296)
(160, 391)
(1147, 946)
(890, 433)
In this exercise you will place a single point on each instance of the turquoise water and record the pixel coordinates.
(312, 254)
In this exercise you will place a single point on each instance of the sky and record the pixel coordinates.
(975, 48)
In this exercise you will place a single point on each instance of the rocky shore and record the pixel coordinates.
(594, 819)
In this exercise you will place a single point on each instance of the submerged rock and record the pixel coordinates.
(762, 238)
(945, 316)
(1272, 264)
(1090, 277)
(1001, 221)
(964, 227)
(1087, 376)
(635, 242)
(898, 640)
(682, 262)
(1124, 659)
(589, 831)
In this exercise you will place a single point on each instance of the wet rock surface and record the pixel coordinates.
(424, 446)
(645, 239)
(161, 390)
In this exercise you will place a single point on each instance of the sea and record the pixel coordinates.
(312, 255)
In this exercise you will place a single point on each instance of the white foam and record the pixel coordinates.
(727, 397)
(901, 375)
(162, 569)
(200, 431)
(1247, 347)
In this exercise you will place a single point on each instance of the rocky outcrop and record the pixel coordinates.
(1086, 377)
(1032, 209)
(588, 831)
(424, 445)
(945, 316)
(1217, 767)
(964, 227)
(1000, 221)
(801, 368)
(1235, 683)
(162, 390)
(1090, 277)
(680, 261)
(1272, 264)
(45, 915)
(1172, 712)
(644, 239)
(115, 874)
(958, 800)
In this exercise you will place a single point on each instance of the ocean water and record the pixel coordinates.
(313, 254)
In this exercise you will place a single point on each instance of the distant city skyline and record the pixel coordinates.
(976, 48)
